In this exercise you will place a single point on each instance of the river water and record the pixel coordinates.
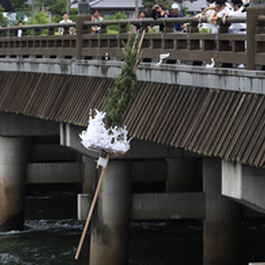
(52, 234)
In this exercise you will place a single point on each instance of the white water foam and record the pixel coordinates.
(8, 259)
(148, 225)
(51, 224)
(47, 224)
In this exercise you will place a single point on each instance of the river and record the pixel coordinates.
(52, 234)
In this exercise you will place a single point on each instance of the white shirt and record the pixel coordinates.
(65, 22)
(19, 33)
(238, 27)
(227, 9)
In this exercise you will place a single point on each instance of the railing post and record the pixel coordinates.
(194, 26)
(79, 32)
(122, 28)
(168, 27)
(252, 22)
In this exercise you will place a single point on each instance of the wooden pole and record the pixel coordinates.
(139, 48)
(141, 42)
(91, 210)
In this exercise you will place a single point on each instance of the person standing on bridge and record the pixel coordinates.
(138, 27)
(18, 32)
(96, 17)
(65, 20)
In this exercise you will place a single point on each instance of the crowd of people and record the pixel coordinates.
(220, 10)
(215, 11)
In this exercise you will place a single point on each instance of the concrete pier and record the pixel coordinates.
(13, 157)
(222, 224)
(109, 241)
(181, 175)
(89, 174)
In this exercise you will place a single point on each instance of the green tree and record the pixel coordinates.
(3, 20)
(55, 7)
(19, 5)
(117, 16)
(149, 5)
(40, 17)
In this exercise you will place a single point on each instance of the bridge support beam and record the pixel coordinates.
(222, 224)
(109, 241)
(181, 174)
(89, 174)
(13, 159)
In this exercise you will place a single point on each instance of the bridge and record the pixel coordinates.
(198, 148)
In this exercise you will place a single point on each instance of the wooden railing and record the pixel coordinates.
(192, 48)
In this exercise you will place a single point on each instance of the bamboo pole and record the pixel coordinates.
(141, 41)
(139, 48)
(91, 210)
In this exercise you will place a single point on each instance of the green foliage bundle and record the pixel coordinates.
(126, 86)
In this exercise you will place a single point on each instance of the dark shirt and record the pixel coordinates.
(157, 15)
(140, 27)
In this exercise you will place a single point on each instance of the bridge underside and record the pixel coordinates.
(224, 124)
(219, 123)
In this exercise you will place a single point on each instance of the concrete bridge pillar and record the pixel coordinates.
(14, 153)
(109, 241)
(222, 224)
(181, 175)
(89, 174)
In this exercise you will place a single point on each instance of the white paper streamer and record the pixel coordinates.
(96, 137)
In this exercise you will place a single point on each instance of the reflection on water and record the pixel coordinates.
(52, 234)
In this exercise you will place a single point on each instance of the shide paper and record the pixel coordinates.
(96, 137)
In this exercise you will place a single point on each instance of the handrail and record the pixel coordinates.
(261, 19)
(193, 47)
(144, 21)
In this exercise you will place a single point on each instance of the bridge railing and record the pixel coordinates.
(195, 48)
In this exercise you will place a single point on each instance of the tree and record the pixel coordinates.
(149, 4)
(55, 7)
(3, 20)
(19, 5)
(40, 17)
(117, 16)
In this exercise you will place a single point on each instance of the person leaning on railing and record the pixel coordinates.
(138, 27)
(159, 12)
(205, 15)
(221, 8)
(237, 11)
(18, 32)
(96, 17)
(175, 13)
(65, 20)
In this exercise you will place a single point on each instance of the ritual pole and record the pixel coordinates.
(91, 209)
